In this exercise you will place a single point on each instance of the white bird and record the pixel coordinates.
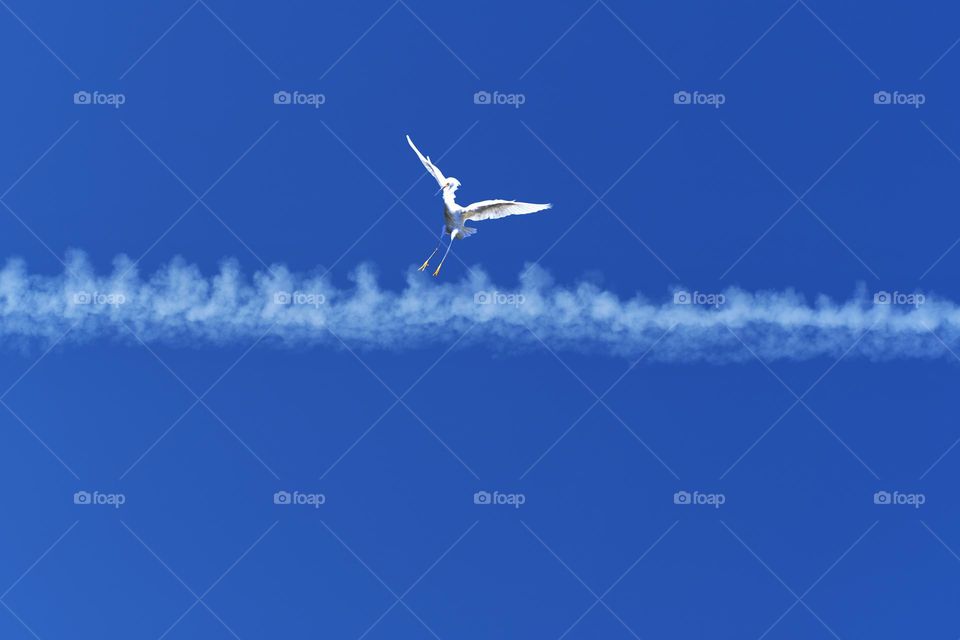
(455, 217)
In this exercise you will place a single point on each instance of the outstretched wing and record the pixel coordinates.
(493, 209)
(431, 168)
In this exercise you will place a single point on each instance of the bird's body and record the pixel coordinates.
(456, 216)
(453, 217)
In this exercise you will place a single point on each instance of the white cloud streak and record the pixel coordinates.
(182, 306)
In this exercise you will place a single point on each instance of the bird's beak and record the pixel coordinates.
(438, 191)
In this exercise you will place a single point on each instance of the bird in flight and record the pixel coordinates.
(455, 217)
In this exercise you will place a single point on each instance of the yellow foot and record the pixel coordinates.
(425, 264)
(437, 272)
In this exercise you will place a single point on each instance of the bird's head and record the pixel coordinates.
(451, 184)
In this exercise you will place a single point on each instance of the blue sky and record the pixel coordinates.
(295, 478)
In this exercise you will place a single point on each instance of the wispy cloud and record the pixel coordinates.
(180, 305)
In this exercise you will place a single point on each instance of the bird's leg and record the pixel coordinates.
(426, 263)
(453, 234)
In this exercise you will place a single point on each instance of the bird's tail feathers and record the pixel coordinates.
(466, 232)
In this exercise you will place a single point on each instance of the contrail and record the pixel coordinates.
(180, 305)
